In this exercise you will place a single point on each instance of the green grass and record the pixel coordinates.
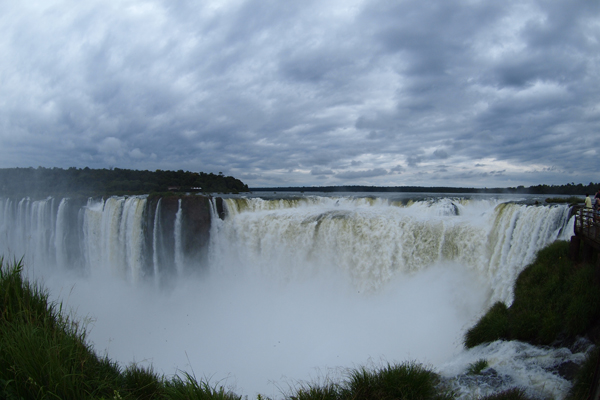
(477, 367)
(188, 388)
(329, 391)
(554, 301)
(404, 381)
(408, 380)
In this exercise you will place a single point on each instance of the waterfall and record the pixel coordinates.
(372, 240)
(179, 263)
(155, 243)
(365, 240)
(300, 283)
(60, 236)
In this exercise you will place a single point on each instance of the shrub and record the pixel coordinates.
(313, 392)
(400, 381)
(492, 326)
(478, 366)
(188, 388)
(554, 300)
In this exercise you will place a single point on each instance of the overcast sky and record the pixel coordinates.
(306, 93)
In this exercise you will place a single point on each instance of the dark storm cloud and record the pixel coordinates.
(281, 93)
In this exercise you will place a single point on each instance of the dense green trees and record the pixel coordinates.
(568, 189)
(49, 181)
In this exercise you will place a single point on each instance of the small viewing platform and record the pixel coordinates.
(587, 231)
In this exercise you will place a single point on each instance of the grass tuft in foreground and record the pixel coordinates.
(393, 381)
(554, 301)
(477, 367)
(188, 388)
(405, 381)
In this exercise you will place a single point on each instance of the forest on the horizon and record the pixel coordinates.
(568, 189)
(85, 181)
(117, 181)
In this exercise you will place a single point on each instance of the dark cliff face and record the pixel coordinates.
(160, 228)
(196, 227)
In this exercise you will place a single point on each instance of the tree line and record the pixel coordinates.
(568, 189)
(86, 181)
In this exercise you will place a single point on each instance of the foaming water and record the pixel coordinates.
(512, 364)
(294, 289)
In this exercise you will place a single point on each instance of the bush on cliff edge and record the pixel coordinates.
(554, 301)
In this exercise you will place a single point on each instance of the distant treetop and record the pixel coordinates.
(85, 181)
(568, 189)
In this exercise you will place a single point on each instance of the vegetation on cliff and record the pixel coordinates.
(91, 182)
(555, 301)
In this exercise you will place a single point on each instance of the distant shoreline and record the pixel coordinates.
(570, 189)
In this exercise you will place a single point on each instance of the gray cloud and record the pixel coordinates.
(285, 93)
(318, 171)
(362, 174)
(442, 154)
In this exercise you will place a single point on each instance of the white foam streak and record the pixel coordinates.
(155, 239)
(179, 263)
(60, 236)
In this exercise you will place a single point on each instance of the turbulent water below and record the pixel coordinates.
(294, 289)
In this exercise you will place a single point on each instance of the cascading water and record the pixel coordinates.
(155, 243)
(371, 241)
(288, 284)
(178, 239)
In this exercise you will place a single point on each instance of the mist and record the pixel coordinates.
(261, 335)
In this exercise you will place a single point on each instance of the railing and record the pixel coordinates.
(587, 223)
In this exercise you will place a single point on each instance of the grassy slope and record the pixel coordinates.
(555, 301)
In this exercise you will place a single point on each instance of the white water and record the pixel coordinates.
(370, 241)
(297, 289)
(179, 263)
